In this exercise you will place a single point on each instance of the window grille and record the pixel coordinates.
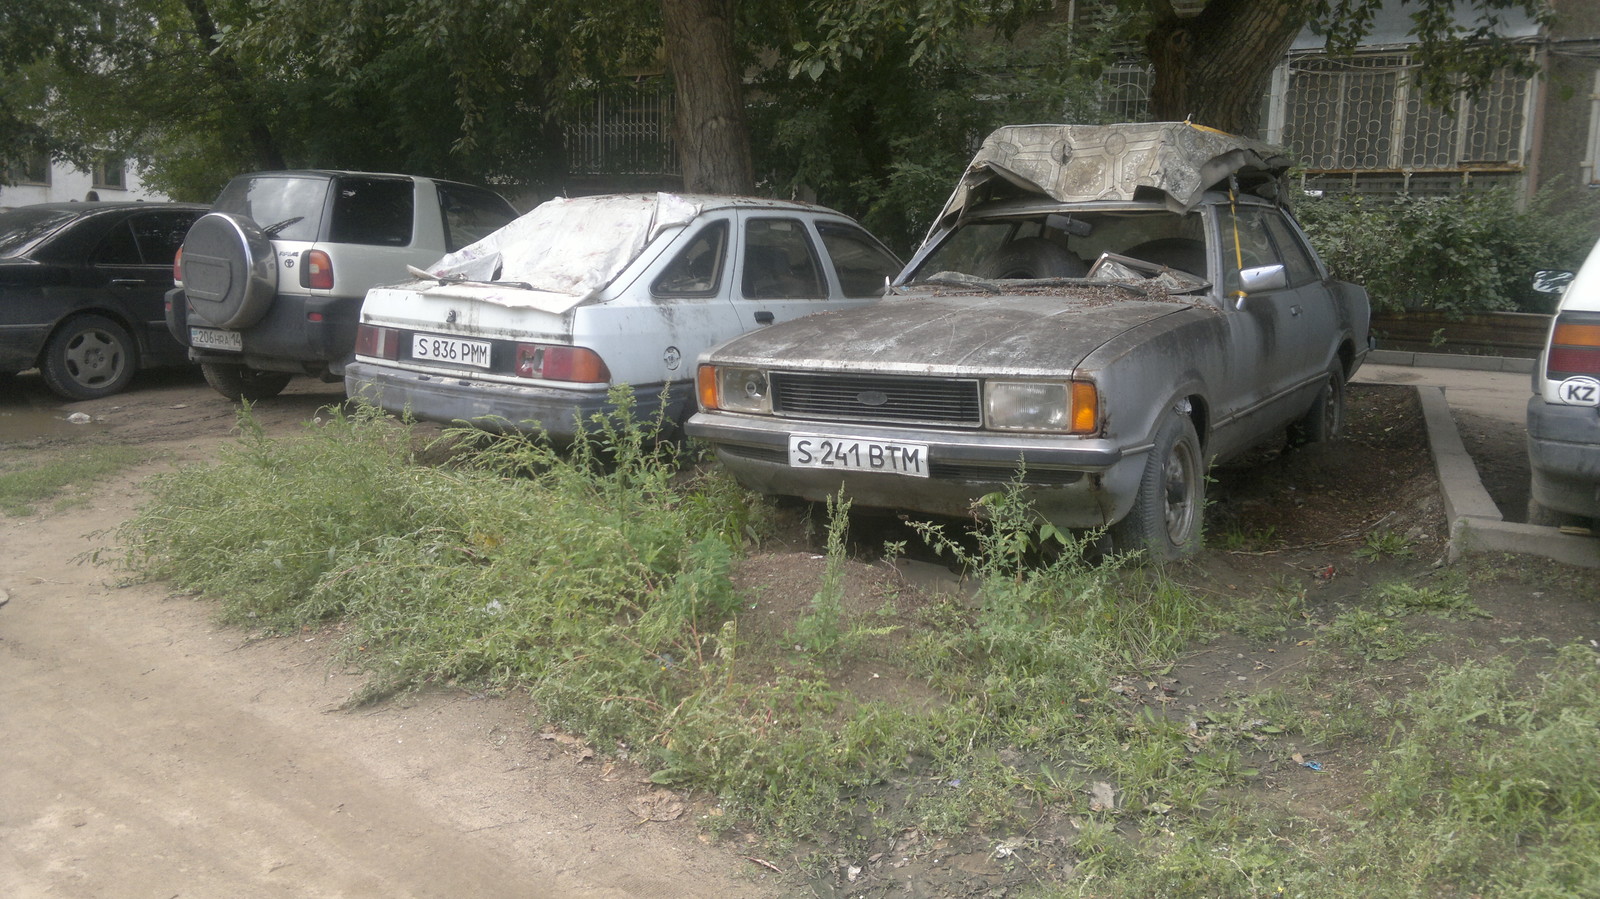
(1367, 113)
(625, 129)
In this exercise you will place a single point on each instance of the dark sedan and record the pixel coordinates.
(82, 289)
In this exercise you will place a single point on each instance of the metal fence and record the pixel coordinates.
(624, 129)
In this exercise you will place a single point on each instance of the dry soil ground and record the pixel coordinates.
(146, 751)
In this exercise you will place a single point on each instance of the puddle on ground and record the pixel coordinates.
(19, 425)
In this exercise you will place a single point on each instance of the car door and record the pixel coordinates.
(1265, 364)
(788, 268)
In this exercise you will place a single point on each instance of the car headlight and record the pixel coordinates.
(733, 389)
(1061, 407)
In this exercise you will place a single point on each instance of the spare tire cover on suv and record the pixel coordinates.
(229, 271)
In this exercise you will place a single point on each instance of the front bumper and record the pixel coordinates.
(1564, 456)
(1072, 482)
(454, 398)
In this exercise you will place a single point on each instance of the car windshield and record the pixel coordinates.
(1069, 244)
(289, 207)
(21, 228)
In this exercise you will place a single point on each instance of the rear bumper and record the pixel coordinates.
(299, 334)
(495, 405)
(1564, 456)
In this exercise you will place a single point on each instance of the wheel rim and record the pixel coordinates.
(1182, 469)
(94, 358)
(1333, 408)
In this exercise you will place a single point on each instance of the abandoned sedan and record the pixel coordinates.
(1098, 312)
(534, 326)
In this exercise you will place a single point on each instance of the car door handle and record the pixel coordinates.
(128, 282)
(1294, 309)
(764, 318)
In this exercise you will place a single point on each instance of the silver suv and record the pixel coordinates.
(273, 277)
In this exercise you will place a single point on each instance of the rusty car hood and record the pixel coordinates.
(1023, 335)
(1177, 161)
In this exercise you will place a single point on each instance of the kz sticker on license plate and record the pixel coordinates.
(845, 454)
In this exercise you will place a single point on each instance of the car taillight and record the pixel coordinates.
(383, 343)
(561, 363)
(1574, 350)
(177, 266)
(316, 270)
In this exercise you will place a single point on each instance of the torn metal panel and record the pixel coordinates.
(1084, 163)
(568, 247)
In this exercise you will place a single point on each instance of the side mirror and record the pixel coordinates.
(1262, 278)
(1551, 282)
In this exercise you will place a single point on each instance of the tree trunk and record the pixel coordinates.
(1215, 68)
(234, 84)
(713, 139)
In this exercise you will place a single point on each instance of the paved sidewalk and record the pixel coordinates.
(1495, 388)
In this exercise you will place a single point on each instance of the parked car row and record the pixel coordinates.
(1098, 314)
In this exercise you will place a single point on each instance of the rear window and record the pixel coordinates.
(21, 228)
(373, 212)
(287, 207)
(470, 214)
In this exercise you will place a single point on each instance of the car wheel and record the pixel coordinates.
(1169, 508)
(1032, 258)
(1324, 421)
(89, 357)
(230, 274)
(236, 382)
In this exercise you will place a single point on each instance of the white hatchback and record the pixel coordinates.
(1564, 411)
(533, 326)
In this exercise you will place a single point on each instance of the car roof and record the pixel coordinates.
(709, 202)
(90, 207)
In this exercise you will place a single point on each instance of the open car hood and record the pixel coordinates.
(1175, 161)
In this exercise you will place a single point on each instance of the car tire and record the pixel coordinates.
(1324, 421)
(1544, 516)
(230, 273)
(238, 382)
(1169, 509)
(88, 357)
(1032, 258)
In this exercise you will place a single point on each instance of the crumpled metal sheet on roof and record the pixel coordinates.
(569, 248)
(1081, 163)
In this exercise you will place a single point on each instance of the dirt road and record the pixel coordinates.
(146, 752)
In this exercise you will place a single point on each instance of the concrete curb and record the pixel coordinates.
(1451, 360)
(1476, 525)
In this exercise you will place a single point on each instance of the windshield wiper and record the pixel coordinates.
(273, 229)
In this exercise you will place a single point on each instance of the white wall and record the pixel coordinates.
(68, 183)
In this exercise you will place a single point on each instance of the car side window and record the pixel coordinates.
(697, 269)
(1298, 262)
(373, 212)
(118, 247)
(779, 261)
(861, 263)
(470, 215)
(1245, 243)
(159, 236)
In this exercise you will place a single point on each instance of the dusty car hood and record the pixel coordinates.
(1020, 335)
(1082, 163)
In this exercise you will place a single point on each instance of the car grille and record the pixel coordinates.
(949, 402)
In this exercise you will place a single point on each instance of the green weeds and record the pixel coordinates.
(27, 484)
(601, 581)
